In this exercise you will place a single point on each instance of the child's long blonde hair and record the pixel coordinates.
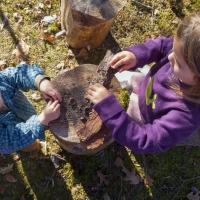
(188, 34)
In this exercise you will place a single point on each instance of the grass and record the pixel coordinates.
(174, 172)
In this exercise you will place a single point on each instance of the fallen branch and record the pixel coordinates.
(184, 181)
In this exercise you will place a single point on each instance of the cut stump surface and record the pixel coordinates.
(77, 117)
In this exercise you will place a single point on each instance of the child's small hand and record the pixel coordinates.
(96, 93)
(126, 59)
(50, 112)
(48, 90)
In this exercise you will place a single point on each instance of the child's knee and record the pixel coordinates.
(32, 147)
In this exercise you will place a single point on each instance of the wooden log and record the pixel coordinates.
(76, 130)
(88, 22)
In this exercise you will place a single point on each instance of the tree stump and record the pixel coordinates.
(88, 22)
(79, 129)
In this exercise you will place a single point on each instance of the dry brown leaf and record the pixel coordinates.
(192, 196)
(130, 176)
(3, 64)
(81, 53)
(102, 178)
(22, 197)
(5, 21)
(48, 3)
(148, 180)
(61, 65)
(106, 197)
(19, 17)
(156, 11)
(2, 189)
(22, 49)
(7, 169)
(36, 97)
(10, 178)
(46, 37)
(25, 48)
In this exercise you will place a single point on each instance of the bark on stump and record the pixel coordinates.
(76, 130)
(88, 22)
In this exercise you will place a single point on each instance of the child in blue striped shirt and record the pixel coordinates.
(20, 126)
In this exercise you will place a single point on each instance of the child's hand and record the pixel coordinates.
(126, 59)
(96, 93)
(50, 112)
(49, 91)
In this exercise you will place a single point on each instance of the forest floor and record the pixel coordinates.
(35, 176)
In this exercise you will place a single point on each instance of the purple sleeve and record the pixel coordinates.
(151, 50)
(159, 136)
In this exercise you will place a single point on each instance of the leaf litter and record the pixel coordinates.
(132, 177)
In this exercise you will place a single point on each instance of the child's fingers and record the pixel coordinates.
(92, 88)
(116, 58)
(90, 92)
(59, 96)
(119, 63)
(54, 103)
(90, 97)
(49, 102)
(54, 95)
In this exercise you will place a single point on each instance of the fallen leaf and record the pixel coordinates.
(148, 180)
(36, 97)
(130, 176)
(22, 197)
(192, 196)
(81, 53)
(156, 11)
(41, 5)
(3, 64)
(48, 3)
(106, 197)
(46, 37)
(22, 49)
(2, 189)
(16, 157)
(19, 17)
(7, 169)
(55, 159)
(102, 178)
(5, 21)
(61, 65)
(10, 178)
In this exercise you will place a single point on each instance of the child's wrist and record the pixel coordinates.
(42, 120)
(38, 80)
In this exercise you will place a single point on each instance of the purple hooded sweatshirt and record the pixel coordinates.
(168, 119)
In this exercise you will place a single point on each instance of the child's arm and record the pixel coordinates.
(141, 54)
(15, 136)
(21, 77)
(165, 132)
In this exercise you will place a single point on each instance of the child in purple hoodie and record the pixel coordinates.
(168, 107)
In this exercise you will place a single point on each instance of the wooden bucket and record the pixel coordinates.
(88, 22)
(73, 85)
